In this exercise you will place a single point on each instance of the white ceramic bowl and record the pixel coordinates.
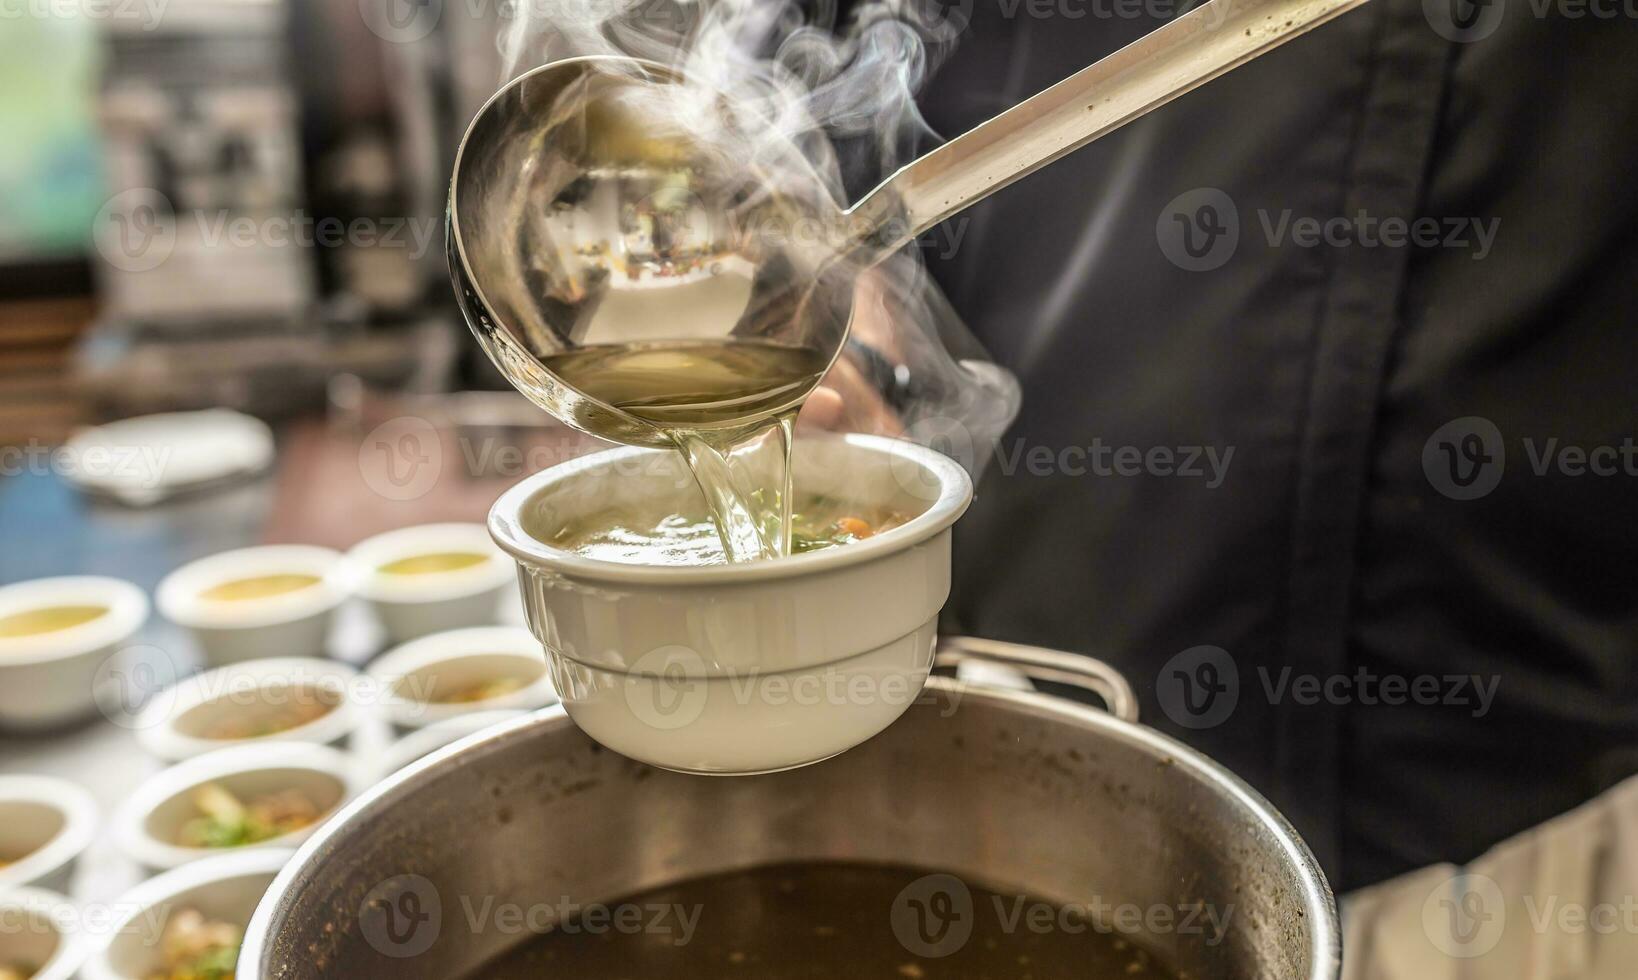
(739, 668)
(42, 929)
(411, 677)
(50, 679)
(224, 888)
(294, 624)
(45, 824)
(178, 726)
(411, 606)
(425, 741)
(147, 825)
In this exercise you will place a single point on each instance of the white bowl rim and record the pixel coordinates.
(127, 612)
(368, 555)
(130, 820)
(178, 593)
(156, 724)
(71, 949)
(80, 818)
(452, 645)
(955, 494)
(243, 863)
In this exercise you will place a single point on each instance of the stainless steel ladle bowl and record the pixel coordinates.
(586, 210)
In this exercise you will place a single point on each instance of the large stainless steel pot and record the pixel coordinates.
(1005, 788)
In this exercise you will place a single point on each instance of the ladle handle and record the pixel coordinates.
(1146, 74)
(1042, 664)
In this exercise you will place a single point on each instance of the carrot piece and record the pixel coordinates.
(855, 527)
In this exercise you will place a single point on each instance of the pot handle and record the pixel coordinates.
(1040, 663)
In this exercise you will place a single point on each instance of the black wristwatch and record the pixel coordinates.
(891, 381)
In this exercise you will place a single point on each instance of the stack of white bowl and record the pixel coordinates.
(232, 726)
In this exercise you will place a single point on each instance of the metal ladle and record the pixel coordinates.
(580, 216)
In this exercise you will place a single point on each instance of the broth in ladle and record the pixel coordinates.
(854, 921)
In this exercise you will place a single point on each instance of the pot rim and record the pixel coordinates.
(1325, 944)
(955, 492)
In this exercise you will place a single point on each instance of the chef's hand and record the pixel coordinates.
(847, 400)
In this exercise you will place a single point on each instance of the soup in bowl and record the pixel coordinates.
(459, 672)
(703, 666)
(185, 924)
(432, 577)
(56, 634)
(298, 699)
(45, 825)
(247, 796)
(39, 939)
(269, 601)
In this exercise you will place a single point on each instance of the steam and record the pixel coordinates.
(792, 89)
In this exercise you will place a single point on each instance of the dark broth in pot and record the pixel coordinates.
(865, 921)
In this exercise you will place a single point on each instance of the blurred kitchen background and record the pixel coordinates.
(238, 204)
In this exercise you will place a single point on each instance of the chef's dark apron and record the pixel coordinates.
(1395, 505)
